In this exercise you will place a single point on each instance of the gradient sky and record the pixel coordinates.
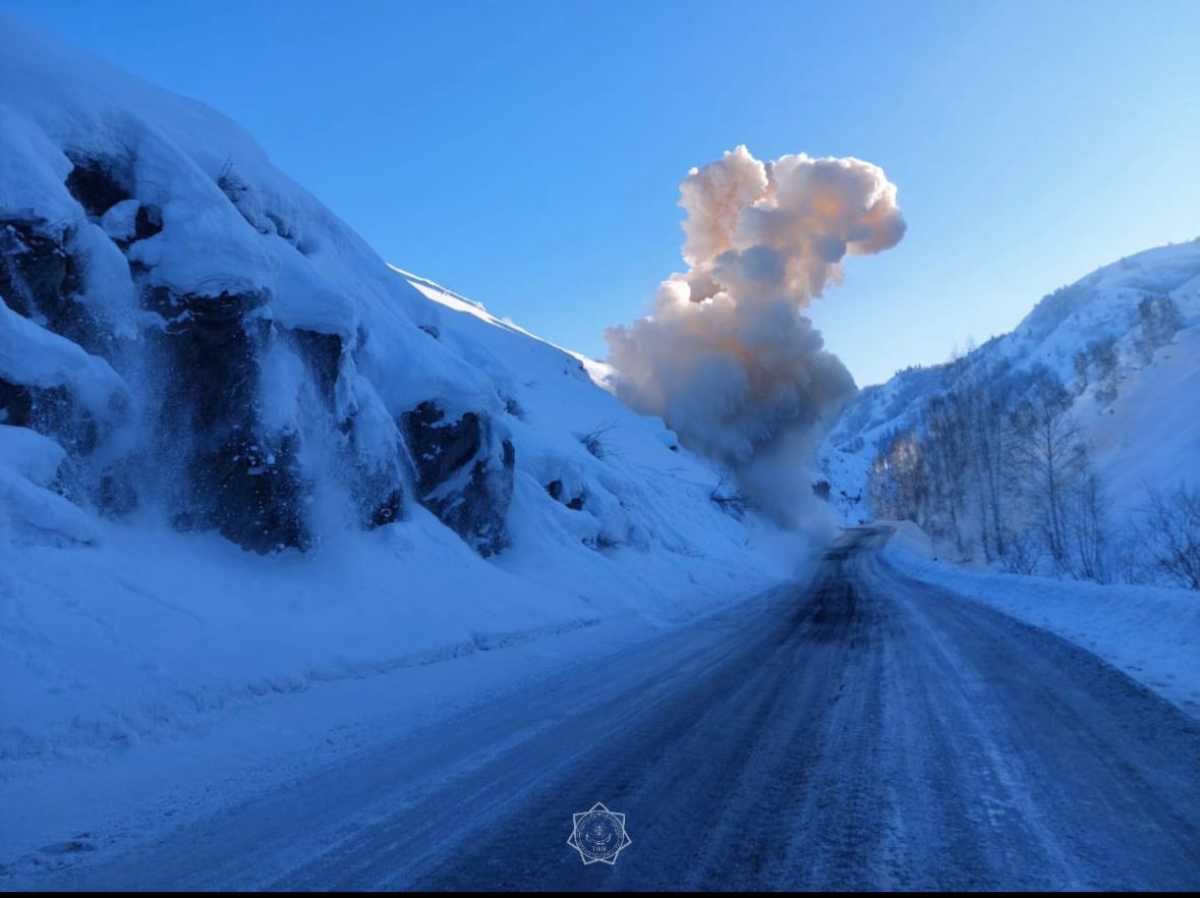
(528, 154)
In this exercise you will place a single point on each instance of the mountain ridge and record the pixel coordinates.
(1122, 344)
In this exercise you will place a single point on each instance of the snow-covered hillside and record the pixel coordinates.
(242, 457)
(1132, 373)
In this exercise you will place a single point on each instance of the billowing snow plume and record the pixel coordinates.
(727, 358)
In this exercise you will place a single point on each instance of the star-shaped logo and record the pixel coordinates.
(599, 835)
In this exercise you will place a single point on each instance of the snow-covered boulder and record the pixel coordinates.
(30, 509)
(464, 473)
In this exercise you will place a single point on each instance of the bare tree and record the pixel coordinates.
(899, 478)
(1024, 554)
(1169, 531)
(949, 459)
(596, 441)
(1089, 530)
(990, 438)
(1052, 458)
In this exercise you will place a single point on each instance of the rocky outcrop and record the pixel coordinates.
(40, 280)
(375, 476)
(250, 488)
(464, 472)
(231, 473)
(37, 274)
(558, 494)
(215, 373)
(97, 184)
(323, 354)
(242, 479)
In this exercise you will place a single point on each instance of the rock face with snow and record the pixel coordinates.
(211, 349)
(236, 333)
(464, 473)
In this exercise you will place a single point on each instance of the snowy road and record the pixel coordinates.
(860, 731)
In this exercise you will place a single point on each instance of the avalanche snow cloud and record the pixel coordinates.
(727, 358)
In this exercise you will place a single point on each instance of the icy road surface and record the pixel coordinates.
(860, 731)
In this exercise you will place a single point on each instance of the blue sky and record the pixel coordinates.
(528, 155)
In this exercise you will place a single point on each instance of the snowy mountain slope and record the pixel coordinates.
(242, 457)
(1151, 432)
(1134, 394)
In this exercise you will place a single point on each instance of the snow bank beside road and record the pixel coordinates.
(152, 635)
(158, 677)
(1149, 633)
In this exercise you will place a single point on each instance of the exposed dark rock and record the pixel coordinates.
(56, 413)
(16, 404)
(323, 352)
(601, 542)
(147, 222)
(431, 330)
(594, 442)
(377, 490)
(212, 353)
(37, 274)
(731, 502)
(235, 189)
(245, 483)
(115, 493)
(232, 185)
(51, 411)
(555, 489)
(40, 279)
(96, 185)
(388, 510)
(440, 449)
(512, 407)
(464, 473)
(251, 491)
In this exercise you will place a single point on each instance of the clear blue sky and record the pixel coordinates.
(528, 155)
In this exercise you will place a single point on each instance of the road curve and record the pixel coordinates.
(861, 731)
